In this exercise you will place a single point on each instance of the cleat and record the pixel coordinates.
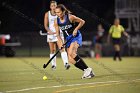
(120, 59)
(88, 73)
(88, 77)
(53, 67)
(67, 66)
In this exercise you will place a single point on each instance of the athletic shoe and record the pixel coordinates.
(114, 58)
(67, 66)
(53, 67)
(120, 59)
(91, 75)
(88, 73)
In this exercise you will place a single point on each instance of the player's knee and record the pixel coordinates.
(72, 54)
(71, 60)
(52, 51)
(63, 50)
(117, 47)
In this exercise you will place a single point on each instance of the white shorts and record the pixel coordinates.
(53, 38)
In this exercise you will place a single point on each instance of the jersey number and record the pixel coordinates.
(66, 32)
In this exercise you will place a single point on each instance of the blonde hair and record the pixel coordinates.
(53, 1)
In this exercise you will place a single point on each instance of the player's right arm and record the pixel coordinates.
(109, 34)
(46, 23)
(108, 38)
(59, 42)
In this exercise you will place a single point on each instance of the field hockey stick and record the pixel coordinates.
(45, 65)
(43, 34)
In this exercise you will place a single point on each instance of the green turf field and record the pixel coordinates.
(24, 75)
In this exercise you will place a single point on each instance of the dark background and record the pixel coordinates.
(25, 27)
(36, 9)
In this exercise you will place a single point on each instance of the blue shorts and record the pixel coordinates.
(77, 38)
(116, 40)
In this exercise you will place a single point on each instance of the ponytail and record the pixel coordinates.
(63, 9)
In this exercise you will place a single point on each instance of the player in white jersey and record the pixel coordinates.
(49, 18)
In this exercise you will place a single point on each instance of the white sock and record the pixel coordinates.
(53, 60)
(64, 57)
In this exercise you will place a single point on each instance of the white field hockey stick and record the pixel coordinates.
(43, 34)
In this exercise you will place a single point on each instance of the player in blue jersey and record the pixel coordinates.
(66, 22)
(49, 18)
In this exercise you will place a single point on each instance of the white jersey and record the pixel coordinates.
(52, 38)
(51, 19)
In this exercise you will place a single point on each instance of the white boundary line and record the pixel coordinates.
(70, 85)
(26, 89)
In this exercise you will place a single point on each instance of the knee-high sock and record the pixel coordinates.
(80, 63)
(53, 60)
(118, 54)
(115, 55)
(64, 57)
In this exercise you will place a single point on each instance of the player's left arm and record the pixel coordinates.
(59, 42)
(80, 22)
(125, 33)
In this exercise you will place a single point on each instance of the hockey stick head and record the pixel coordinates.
(44, 66)
(42, 34)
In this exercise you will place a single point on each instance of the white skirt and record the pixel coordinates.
(53, 38)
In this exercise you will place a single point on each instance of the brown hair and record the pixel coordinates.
(63, 9)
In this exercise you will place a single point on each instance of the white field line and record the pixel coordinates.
(26, 89)
(70, 85)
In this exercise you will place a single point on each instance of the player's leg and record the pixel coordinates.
(114, 40)
(98, 49)
(115, 54)
(52, 46)
(79, 62)
(64, 56)
(117, 49)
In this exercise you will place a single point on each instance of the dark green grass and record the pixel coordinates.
(25, 73)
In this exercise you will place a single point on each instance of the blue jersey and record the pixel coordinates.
(67, 28)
